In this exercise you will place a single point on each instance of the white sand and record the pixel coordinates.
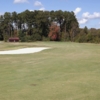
(24, 50)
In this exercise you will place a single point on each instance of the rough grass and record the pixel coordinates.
(68, 71)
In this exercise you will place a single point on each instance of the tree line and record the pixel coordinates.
(44, 26)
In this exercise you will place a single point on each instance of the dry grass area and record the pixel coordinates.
(68, 71)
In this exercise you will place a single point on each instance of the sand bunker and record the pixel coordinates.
(24, 50)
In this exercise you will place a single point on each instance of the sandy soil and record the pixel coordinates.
(23, 50)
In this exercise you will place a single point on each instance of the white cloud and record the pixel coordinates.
(21, 1)
(31, 10)
(38, 3)
(1, 13)
(77, 10)
(42, 9)
(91, 16)
(82, 21)
(87, 16)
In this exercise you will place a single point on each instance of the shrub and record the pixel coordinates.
(45, 39)
(22, 36)
(6, 37)
(36, 37)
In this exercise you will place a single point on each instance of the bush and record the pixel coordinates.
(36, 37)
(96, 39)
(89, 37)
(81, 39)
(28, 38)
(45, 39)
(1, 36)
(22, 36)
(6, 37)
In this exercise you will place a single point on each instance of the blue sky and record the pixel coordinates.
(86, 11)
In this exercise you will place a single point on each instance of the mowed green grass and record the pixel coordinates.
(67, 71)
